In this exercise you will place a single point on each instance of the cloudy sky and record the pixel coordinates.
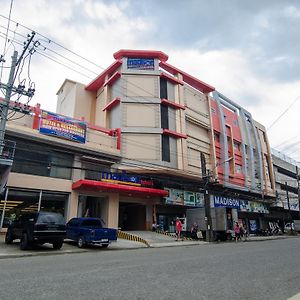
(249, 50)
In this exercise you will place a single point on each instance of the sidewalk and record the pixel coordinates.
(155, 240)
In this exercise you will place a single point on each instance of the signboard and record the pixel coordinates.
(226, 202)
(253, 206)
(187, 198)
(63, 127)
(124, 178)
(140, 63)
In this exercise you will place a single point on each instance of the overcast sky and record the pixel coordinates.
(248, 50)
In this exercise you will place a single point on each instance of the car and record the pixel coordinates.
(37, 228)
(87, 231)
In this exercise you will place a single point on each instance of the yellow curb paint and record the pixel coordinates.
(131, 237)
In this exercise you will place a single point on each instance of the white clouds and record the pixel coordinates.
(232, 74)
(292, 12)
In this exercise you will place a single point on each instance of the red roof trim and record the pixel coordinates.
(192, 81)
(98, 82)
(172, 104)
(111, 104)
(172, 79)
(84, 184)
(175, 134)
(112, 79)
(141, 54)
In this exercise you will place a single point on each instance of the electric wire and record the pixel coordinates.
(5, 43)
(283, 113)
(148, 105)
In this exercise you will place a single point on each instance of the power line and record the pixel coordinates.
(5, 43)
(80, 56)
(283, 113)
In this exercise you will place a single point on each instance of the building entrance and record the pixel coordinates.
(132, 216)
(90, 207)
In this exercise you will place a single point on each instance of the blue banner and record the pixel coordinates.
(63, 127)
(226, 202)
(140, 63)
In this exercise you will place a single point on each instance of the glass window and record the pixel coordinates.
(92, 223)
(19, 202)
(163, 88)
(53, 202)
(166, 148)
(93, 171)
(37, 159)
(238, 169)
(53, 218)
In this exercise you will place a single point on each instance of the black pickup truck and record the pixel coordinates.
(37, 228)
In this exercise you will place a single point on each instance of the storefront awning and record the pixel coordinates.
(94, 185)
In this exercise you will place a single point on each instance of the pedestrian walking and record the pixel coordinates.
(237, 231)
(243, 233)
(178, 228)
(194, 231)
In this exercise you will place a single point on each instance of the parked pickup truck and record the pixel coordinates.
(86, 231)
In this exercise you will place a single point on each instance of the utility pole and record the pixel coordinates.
(208, 220)
(7, 148)
(9, 88)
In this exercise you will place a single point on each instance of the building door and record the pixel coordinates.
(132, 216)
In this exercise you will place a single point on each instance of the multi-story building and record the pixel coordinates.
(51, 153)
(173, 134)
(286, 207)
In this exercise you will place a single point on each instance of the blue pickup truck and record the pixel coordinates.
(86, 231)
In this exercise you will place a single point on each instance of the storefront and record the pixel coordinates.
(250, 214)
(175, 205)
(121, 200)
(15, 202)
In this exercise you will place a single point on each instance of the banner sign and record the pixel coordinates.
(226, 202)
(187, 198)
(140, 63)
(124, 178)
(63, 127)
(253, 206)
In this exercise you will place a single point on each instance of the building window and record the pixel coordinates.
(163, 88)
(165, 148)
(21, 201)
(238, 169)
(236, 146)
(37, 159)
(93, 171)
(164, 114)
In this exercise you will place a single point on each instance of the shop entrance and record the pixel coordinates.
(132, 216)
(90, 206)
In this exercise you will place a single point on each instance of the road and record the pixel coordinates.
(251, 270)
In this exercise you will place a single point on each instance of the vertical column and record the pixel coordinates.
(149, 216)
(112, 210)
(73, 205)
(181, 127)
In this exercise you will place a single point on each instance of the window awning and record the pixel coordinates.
(94, 185)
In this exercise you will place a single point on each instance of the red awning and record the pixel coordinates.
(94, 185)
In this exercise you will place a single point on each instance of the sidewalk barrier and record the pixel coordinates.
(131, 237)
(173, 235)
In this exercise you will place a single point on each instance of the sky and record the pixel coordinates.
(248, 50)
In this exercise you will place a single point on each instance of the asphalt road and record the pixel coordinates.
(253, 270)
